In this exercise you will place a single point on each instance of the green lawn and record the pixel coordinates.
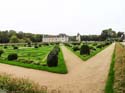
(37, 55)
(110, 80)
(29, 53)
(86, 57)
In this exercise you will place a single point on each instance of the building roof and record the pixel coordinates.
(55, 36)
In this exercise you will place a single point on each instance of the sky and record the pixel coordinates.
(62, 16)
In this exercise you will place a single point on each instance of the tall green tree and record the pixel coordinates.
(108, 34)
(14, 39)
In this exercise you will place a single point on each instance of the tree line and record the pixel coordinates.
(107, 34)
(11, 36)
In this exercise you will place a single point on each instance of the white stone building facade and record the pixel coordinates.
(55, 38)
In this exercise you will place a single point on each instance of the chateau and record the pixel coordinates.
(56, 38)
(59, 38)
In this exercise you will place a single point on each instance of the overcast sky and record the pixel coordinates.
(62, 16)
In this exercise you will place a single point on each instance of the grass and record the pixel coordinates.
(116, 77)
(110, 80)
(61, 68)
(86, 57)
(35, 54)
(119, 82)
(9, 84)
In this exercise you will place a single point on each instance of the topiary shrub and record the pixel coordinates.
(29, 44)
(94, 44)
(35, 46)
(84, 50)
(5, 47)
(99, 46)
(1, 52)
(56, 49)
(15, 47)
(46, 44)
(40, 45)
(107, 43)
(76, 43)
(24, 45)
(12, 56)
(52, 59)
(75, 48)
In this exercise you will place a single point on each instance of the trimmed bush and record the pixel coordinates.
(24, 45)
(75, 48)
(107, 43)
(52, 59)
(12, 56)
(99, 46)
(76, 43)
(84, 50)
(46, 44)
(40, 45)
(29, 44)
(67, 44)
(1, 52)
(94, 44)
(5, 47)
(35, 46)
(15, 47)
(56, 48)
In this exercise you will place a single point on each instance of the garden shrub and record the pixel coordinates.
(52, 59)
(99, 46)
(24, 45)
(56, 48)
(35, 46)
(75, 48)
(46, 44)
(5, 47)
(94, 44)
(15, 47)
(76, 43)
(57, 43)
(1, 52)
(40, 45)
(67, 44)
(107, 43)
(29, 44)
(84, 50)
(12, 56)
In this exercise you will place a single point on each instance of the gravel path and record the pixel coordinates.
(82, 77)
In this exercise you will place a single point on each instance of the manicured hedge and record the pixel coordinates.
(15, 47)
(35, 46)
(67, 44)
(12, 56)
(84, 50)
(5, 47)
(75, 48)
(52, 59)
